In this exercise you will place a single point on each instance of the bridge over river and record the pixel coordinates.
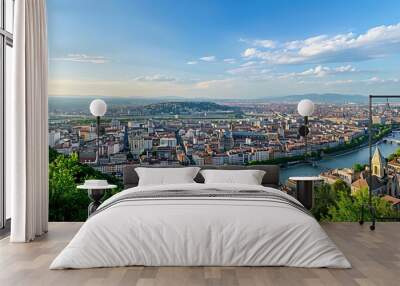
(393, 138)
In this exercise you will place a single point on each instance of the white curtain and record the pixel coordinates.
(26, 124)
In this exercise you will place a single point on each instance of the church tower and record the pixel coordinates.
(378, 164)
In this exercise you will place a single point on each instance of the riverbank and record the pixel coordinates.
(331, 156)
(345, 152)
(318, 155)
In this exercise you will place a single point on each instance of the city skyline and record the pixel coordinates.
(222, 49)
(204, 133)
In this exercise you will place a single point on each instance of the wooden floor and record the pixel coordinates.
(375, 257)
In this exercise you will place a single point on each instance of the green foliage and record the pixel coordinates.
(277, 161)
(341, 186)
(336, 203)
(394, 155)
(53, 154)
(348, 208)
(66, 202)
(359, 167)
(324, 197)
(379, 132)
(348, 145)
(285, 160)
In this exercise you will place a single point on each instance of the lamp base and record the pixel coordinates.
(95, 196)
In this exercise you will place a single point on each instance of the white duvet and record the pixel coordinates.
(206, 231)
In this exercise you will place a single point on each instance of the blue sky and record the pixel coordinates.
(223, 49)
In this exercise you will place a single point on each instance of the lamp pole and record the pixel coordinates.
(98, 108)
(305, 137)
(98, 138)
(305, 109)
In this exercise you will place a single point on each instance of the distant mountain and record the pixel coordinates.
(187, 107)
(149, 106)
(79, 104)
(333, 98)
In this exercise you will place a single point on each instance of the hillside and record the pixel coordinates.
(187, 108)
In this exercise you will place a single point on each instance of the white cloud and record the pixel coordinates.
(344, 69)
(155, 78)
(272, 57)
(250, 52)
(83, 58)
(208, 59)
(247, 64)
(376, 79)
(163, 79)
(339, 82)
(230, 61)
(265, 43)
(370, 81)
(293, 45)
(376, 42)
(249, 68)
(242, 70)
(269, 44)
(318, 71)
(321, 71)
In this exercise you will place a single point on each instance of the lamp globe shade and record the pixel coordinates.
(305, 107)
(98, 107)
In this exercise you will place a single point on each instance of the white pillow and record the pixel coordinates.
(248, 177)
(166, 176)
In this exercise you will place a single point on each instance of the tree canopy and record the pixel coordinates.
(359, 167)
(66, 202)
(336, 203)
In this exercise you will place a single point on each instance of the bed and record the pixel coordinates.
(197, 224)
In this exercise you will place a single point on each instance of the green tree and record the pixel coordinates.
(394, 155)
(336, 203)
(348, 207)
(324, 197)
(66, 202)
(341, 186)
(53, 154)
(358, 167)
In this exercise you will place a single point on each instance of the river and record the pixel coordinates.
(341, 161)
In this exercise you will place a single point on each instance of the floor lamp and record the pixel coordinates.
(98, 108)
(305, 109)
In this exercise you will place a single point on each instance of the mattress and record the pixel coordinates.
(201, 225)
